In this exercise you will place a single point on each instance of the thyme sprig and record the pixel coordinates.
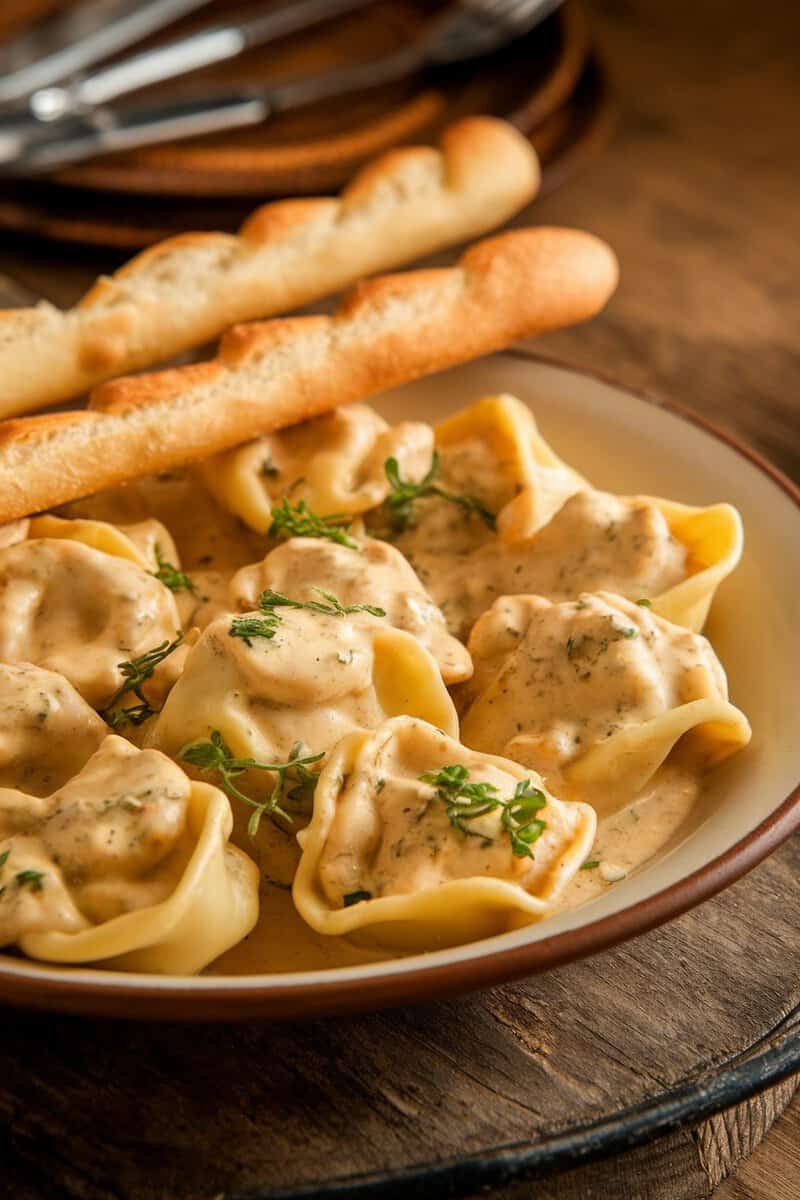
(267, 626)
(135, 674)
(214, 754)
(466, 801)
(298, 520)
(404, 495)
(170, 576)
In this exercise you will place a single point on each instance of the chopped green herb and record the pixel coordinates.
(269, 600)
(4, 857)
(644, 603)
(30, 878)
(214, 754)
(170, 576)
(135, 674)
(355, 898)
(267, 625)
(269, 470)
(248, 628)
(299, 521)
(590, 864)
(630, 632)
(466, 801)
(404, 494)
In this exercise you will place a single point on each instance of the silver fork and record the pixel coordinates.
(469, 29)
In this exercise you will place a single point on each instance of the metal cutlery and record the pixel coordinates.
(85, 34)
(464, 31)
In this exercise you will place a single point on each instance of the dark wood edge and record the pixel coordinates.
(680, 1107)
(203, 1001)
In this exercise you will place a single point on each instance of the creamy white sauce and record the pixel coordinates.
(75, 611)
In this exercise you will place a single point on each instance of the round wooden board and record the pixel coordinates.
(548, 84)
(530, 1079)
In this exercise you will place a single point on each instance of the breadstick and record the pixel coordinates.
(271, 374)
(188, 289)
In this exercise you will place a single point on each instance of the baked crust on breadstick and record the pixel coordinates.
(188, 289)
(271, 374)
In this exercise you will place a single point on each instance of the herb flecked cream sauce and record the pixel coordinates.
(213, 545)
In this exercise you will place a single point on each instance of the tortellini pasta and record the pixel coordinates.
(388, 855)
(596, 692)
(127, 865)
(638, 547)
(335, 463)
(317, 678)
(47, 732)
(78, 600)
(376, 572)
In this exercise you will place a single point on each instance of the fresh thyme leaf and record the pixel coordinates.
(629, 632)
(135, 674)
(33, 879)
(645, 603)
(590, 864)
(248, 628)
(4, 857)
(299, 520)
(355, 898)
(269, 600)
(170, 576)
(404, 494)
(466, 801)
(214, 754)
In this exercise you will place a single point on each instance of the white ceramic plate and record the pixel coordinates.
(624, 443)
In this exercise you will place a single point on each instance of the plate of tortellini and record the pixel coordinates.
(411, 698)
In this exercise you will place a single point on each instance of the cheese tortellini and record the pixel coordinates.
(78, 600)
(596, 691)
(335, 463)
(638, 547)
(393, 851)
(316, 678)
(47, 733)
(128, 865)
(304, 567)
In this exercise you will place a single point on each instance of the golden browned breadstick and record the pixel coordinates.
(274, 373)
(187, 290)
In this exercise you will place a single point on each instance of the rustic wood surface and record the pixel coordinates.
(699, 194)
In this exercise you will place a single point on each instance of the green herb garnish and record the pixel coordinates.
(30, 878)
(466, 801)
(269, 600)
(299, 520)
(355, 898)
(644, 603)
(170, 576)
(135, 674)
(4, 857)
(404, 494)
(590, 864)
(214, 754)
(266, 626)
(248, 628)
(269, 470)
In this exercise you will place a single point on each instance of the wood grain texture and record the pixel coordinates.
(699, 195)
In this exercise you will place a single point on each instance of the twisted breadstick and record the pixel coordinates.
(188, 289)
(275, 373)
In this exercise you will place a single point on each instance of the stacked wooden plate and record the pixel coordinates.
(548, 83)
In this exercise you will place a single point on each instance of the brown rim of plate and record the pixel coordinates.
(202, 998)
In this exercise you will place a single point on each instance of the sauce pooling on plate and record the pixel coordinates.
(398, 687)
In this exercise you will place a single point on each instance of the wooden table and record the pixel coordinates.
(699, 194)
